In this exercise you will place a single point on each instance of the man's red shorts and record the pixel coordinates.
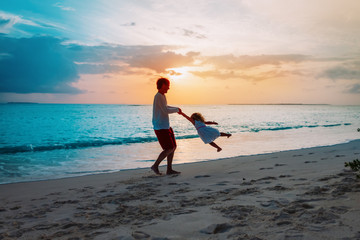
(166, 138)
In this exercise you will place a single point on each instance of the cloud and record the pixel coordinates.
(190, 33)
(7, 19)
(107, 53)
(62, 7)
(4, 56)
(18, 26)
(130, 24)
(86, 68)
(36, 65)
(160, 58)
(160, 61)
(245, 61)
(173, 73)
(49, 65)
(242, 75)
(321, 26)
(113, 58)
(353, 89)
(216, 74)
(4, 21)
(341, 72)
(251, 68)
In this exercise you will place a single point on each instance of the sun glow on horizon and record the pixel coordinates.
(180, 74)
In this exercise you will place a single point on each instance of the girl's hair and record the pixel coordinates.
(198, 117)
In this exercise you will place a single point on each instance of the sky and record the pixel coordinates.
(213, 52)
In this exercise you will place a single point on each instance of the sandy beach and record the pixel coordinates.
(298, 194)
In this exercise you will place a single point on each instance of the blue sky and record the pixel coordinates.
(279, 51)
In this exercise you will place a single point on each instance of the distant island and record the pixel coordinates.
(22, 103)
(277, 104)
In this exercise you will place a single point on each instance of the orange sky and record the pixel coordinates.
(233, 52)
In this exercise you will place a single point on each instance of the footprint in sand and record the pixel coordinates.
(318, 191)
(181, 190)
(282, 223)
(339, 209)
(202, 176)
(15, 208)
(330, 151)
(223, 183)
(301, 179)
(102, 191)
(266, 168)
(217, 228)
(140, 235)
(326, 178)
(294, 235)
(267, 178)
(205, 190)
(278, 188)
(285, 176)
(54, 194)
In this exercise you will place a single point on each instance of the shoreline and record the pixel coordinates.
(293, 194)
(164, 162)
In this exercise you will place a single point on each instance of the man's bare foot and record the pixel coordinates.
(156, 170)
(171, 172)
(219, 149)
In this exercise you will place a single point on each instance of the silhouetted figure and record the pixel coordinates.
(163, 131)
(206, 133)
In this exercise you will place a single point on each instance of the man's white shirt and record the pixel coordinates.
(161, 112)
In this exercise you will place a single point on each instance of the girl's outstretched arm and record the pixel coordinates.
(211, 123)
(188, 118)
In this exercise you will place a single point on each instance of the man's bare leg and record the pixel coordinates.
(162, 156)
(169, 164)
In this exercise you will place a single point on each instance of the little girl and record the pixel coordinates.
(207, 134)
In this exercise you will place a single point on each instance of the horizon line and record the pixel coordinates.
(134, 104)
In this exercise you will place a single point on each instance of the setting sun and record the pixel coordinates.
(178, 74)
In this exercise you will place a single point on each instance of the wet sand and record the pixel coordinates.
(299, 194)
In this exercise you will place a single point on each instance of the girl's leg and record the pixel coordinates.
(215, 146)
(225, 134)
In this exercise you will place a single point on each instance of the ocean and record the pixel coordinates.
(49, 141)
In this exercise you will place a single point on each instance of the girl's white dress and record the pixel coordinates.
(206, 133)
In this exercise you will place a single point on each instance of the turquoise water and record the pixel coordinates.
(45, 141)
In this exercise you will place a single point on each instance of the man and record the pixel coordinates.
(163, 131)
